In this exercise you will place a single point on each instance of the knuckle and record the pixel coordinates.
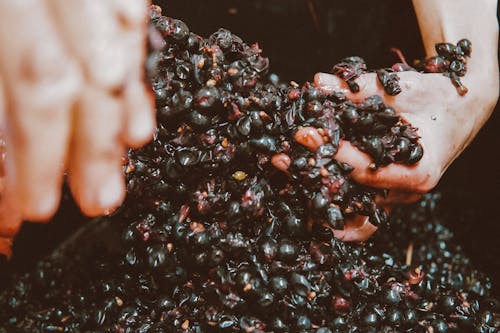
(107, 153)
(53, 87)
(109, 73)
(40, 68)
(105, 150)
(413, 87)
(132, 14)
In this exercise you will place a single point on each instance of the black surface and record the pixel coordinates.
(286, 32)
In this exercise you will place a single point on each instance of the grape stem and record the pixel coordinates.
(314, 15)
(400, 55)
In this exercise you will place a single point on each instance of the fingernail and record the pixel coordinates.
(322, 79)
(309, 137)
(356, 230)
(330, 82)
(141, 122)
(39, 207)
(281, 162)
(141, 126)
(111, 193)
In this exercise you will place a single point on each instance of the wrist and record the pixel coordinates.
(479, 102)
(482, 77)
(452, 20)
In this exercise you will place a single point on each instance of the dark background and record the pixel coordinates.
(285, 29)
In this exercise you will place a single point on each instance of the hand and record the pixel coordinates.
(73, 100)
(446, 123)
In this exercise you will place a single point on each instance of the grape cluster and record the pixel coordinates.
(227, 226)
(451, 61)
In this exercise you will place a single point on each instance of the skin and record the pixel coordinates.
(447, 122)
(80, 63)
(73, 100)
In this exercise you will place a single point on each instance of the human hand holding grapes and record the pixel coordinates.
(447, 122)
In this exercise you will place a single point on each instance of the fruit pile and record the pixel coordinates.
(231, 211)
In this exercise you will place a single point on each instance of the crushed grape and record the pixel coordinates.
(227, 226)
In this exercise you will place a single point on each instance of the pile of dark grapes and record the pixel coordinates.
(227, 226)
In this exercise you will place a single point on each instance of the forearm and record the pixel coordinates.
(451, 20)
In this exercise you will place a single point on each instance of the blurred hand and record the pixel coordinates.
(446, 123)
(73, 100)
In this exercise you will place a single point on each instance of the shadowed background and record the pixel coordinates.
(301, 41)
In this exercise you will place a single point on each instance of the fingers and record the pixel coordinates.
(102, 43)
(396, 197)
(358, 229)
(419, 178)
(140, 116)
(43, 82)
(6, 246)
(407, 183)
(115, 109)
(93, 35)
(402, 197)
(131, 13)
(138, 97)
(139, 102)
(414, 86)
(10, 218)
(368, 85)
(95, 174)
(112, 52)
(39, 156)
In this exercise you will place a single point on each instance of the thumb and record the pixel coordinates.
(10, 218)
(357, 229)
(368, 85)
